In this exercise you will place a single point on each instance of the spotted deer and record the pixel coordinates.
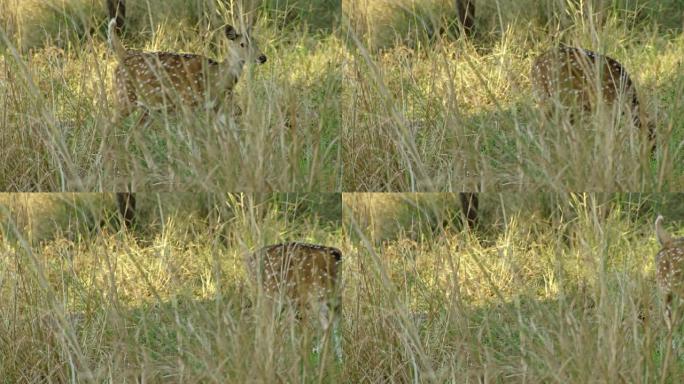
(669, 267)
(577, 76)
(305, 276)
(161, 79)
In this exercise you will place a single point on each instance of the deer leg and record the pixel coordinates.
(330, 316)
(653, 143)
(668, 312)
(337, 331)
(324, 319)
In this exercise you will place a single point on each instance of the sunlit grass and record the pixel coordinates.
(130, 305)
(536, 300)
(552, 288)
(444, 114)
(59, 108)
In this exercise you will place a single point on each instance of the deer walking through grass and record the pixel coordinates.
(569, 77)
(669, 268)
(305, 277)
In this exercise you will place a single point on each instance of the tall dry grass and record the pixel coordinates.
(56, 92)
(536, 300)
(171, 304)
(425, 112)
(569, 298)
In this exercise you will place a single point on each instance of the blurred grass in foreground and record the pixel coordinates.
(56, 91)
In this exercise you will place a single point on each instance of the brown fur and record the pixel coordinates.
(569, 74)
(307, 276)
(299, 272)
(669, 266)
(163, 79)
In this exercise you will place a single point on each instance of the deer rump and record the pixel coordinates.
(669, 261)
(297, 272)
(577, 76)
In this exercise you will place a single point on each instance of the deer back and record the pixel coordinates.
(579, 75)
(297, 270)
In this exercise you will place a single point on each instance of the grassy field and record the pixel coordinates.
(555, 288)
(81, 302)
(424, 111)
(57, 101)
(555, 284)
(388, 99)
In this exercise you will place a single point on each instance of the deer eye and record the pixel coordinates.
(242, 44)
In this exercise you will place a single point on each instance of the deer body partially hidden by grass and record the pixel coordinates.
(305, 277)
(163, 79)
(669, 267)
(578, 77)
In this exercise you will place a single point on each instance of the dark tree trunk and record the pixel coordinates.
(469, 205)
(466, 15)
(117, 9)
(126, 203)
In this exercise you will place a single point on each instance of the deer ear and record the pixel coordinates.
(231, 33)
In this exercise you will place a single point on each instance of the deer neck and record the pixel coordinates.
(234, 66)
